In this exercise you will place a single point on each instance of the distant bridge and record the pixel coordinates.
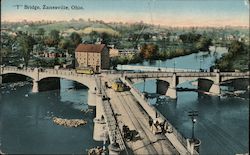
(168, 81)
(151, 68)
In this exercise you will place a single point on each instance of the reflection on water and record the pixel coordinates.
(26, 124)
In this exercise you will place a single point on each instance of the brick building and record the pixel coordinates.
(92, 55)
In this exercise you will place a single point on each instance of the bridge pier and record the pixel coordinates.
(172, 93)
(35, 88)
(92, 97)
(100, 131)
(215, 88)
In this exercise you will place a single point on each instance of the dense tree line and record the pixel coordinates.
(236, 58)
(25, 43)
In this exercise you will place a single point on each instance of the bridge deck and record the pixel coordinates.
(113, 128)
(130, 114)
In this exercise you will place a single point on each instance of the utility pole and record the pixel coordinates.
(193, 114)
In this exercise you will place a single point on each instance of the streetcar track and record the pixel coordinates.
(134, 124)
(159, 137)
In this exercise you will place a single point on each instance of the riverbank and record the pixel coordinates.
(170, 53)
(237, 58)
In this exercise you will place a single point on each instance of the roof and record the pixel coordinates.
(95, 48)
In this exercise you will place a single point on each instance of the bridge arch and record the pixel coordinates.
(236, 83)
(226, 79)
(181, 80)
(14, 73)
(204, 84)
(162, 86)
(86, 81)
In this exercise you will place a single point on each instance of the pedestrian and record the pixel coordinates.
(150, 121)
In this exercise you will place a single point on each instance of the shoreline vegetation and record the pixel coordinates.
(190, 43)
(237, 58)
(138, 58)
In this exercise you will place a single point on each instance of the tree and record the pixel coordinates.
(93, 34)
(53, 38)
(190, 37)
(64, 44)
(54, 34)
(26, 43)
(149, 51)
(203, 43)
(75, 38)
(40, 32)
(106, 38)
(236, 47)
(146, 37)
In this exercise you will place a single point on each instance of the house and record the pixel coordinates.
(51, 52)
(95, 56)
(113, 52)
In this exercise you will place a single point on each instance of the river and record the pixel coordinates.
(195, 61)
(26, 125)
(222, 123)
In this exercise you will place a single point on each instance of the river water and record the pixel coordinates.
(26, 124)
(222, 123)
(195, 61)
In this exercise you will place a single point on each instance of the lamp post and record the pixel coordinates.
(193, 114)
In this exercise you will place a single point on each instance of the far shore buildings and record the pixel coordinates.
(95, 56)
(113, 52)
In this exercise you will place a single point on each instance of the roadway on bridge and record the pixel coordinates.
(130, 114)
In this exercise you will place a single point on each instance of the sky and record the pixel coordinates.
(159, 12)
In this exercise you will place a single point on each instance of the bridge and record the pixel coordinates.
(38, 75)
(166, 82)
(114, 109)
